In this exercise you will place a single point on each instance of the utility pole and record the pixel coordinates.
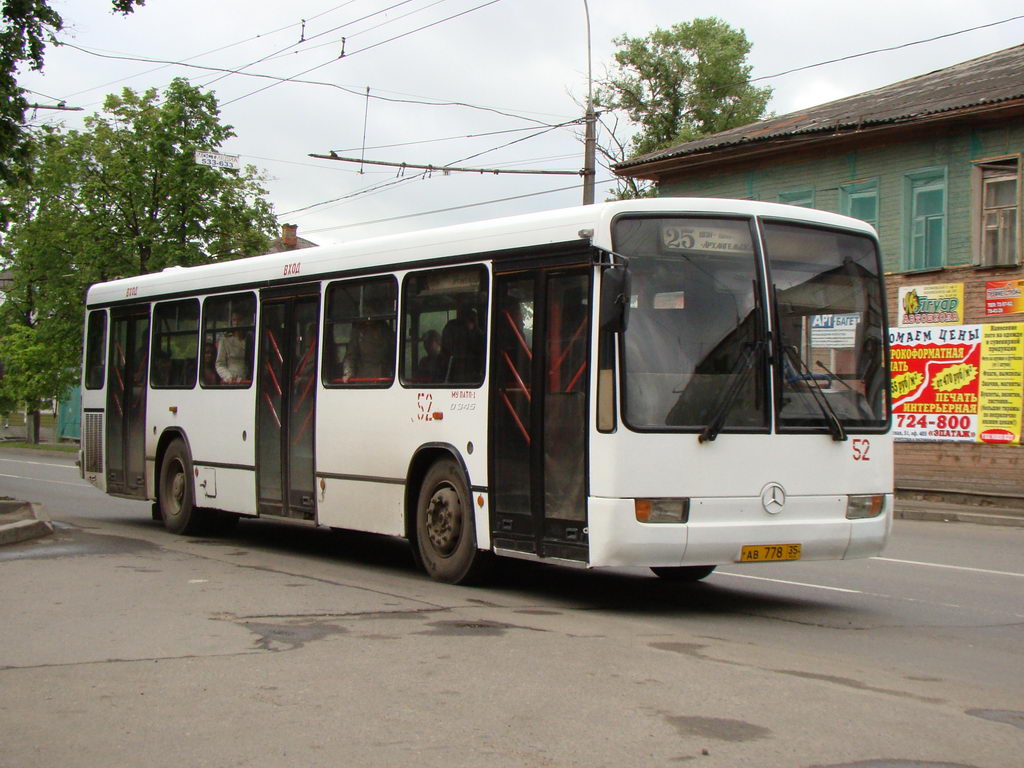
(589, 155)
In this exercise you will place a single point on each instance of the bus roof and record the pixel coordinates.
(588, 224)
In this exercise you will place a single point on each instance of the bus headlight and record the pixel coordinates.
(860, 507)
(662, 510)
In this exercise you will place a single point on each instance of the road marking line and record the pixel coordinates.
(791, 583)
(39, 463)
(81, 484)
(950, 567)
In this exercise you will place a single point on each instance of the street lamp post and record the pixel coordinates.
(590, 122)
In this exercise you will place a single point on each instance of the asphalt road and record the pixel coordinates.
(121, 644)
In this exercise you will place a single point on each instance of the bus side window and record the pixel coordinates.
(444, 327)
(175, 344)
(359, 333)
(95, 359)
(229, 328)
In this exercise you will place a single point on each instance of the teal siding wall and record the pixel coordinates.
(957, 151)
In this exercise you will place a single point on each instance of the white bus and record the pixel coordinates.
(669, 383)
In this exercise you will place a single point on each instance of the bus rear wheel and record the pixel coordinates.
(683, 573)
(445, 527)
(177, 504)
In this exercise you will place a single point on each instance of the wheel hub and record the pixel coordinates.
(444, 520)
(177, 489)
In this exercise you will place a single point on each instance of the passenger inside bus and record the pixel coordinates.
(233, 352)
(462, 347)
(431, 366)
(370, 356)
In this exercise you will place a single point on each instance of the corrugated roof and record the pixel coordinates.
(989, 79)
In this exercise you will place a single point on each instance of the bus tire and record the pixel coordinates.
(683, 574)
(445, 527)
(176, 499)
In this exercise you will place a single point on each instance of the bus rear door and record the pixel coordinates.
(286, 402)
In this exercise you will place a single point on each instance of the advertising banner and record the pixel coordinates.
(960, 383)
(940, 304)
(1001, 388)
(1004, 297)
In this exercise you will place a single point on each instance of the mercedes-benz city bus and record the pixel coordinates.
(670, 383)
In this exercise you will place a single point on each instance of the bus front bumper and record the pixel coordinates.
(719, 528)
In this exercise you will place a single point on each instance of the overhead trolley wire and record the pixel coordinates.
(238, 70)
(361, 50)
(360, 93)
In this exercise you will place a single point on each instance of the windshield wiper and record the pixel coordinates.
(710, 432)
(832, 421)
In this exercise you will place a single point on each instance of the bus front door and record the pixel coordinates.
(539, 412)
(286, 403)
(126, 401)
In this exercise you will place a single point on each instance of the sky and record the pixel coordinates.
(468, 83)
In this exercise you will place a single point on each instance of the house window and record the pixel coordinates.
(859, 199)
(925, 219)
(801, 197)
(997, 208)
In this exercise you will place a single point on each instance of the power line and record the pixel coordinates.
(453, 138)
(886, 50)
(361, 50)
(206, 53)
(452, 208)
(443, 169)
(281, 55)
(361, 94)
(307, 39)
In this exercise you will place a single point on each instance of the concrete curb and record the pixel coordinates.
(33, 522)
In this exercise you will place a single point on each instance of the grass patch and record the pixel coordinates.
(62, 447)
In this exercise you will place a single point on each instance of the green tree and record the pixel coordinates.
(676, 85)
(28, 25)
(120, 198)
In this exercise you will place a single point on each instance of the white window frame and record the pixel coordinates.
(1002, 169)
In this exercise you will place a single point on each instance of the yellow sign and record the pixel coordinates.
(940, 304)
(1001, 389)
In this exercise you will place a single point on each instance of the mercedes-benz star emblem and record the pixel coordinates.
(773, 498)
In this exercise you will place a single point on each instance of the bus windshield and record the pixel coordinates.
(830, 319)
(694, 342)
(695, 352)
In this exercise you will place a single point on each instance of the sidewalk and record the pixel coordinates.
(959, 508)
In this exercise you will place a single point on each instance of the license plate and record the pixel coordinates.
(768, 553)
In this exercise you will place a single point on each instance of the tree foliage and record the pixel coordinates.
(28, 25)
(120, 198)
(679, 84)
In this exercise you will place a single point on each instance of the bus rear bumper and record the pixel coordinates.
(718, 529)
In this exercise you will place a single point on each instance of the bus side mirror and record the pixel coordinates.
(614, 298)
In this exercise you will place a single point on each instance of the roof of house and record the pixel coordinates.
(987, 80)
(278, 245)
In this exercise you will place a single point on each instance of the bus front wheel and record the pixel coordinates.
(683, 573)
(177, 505)
(445, 528)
